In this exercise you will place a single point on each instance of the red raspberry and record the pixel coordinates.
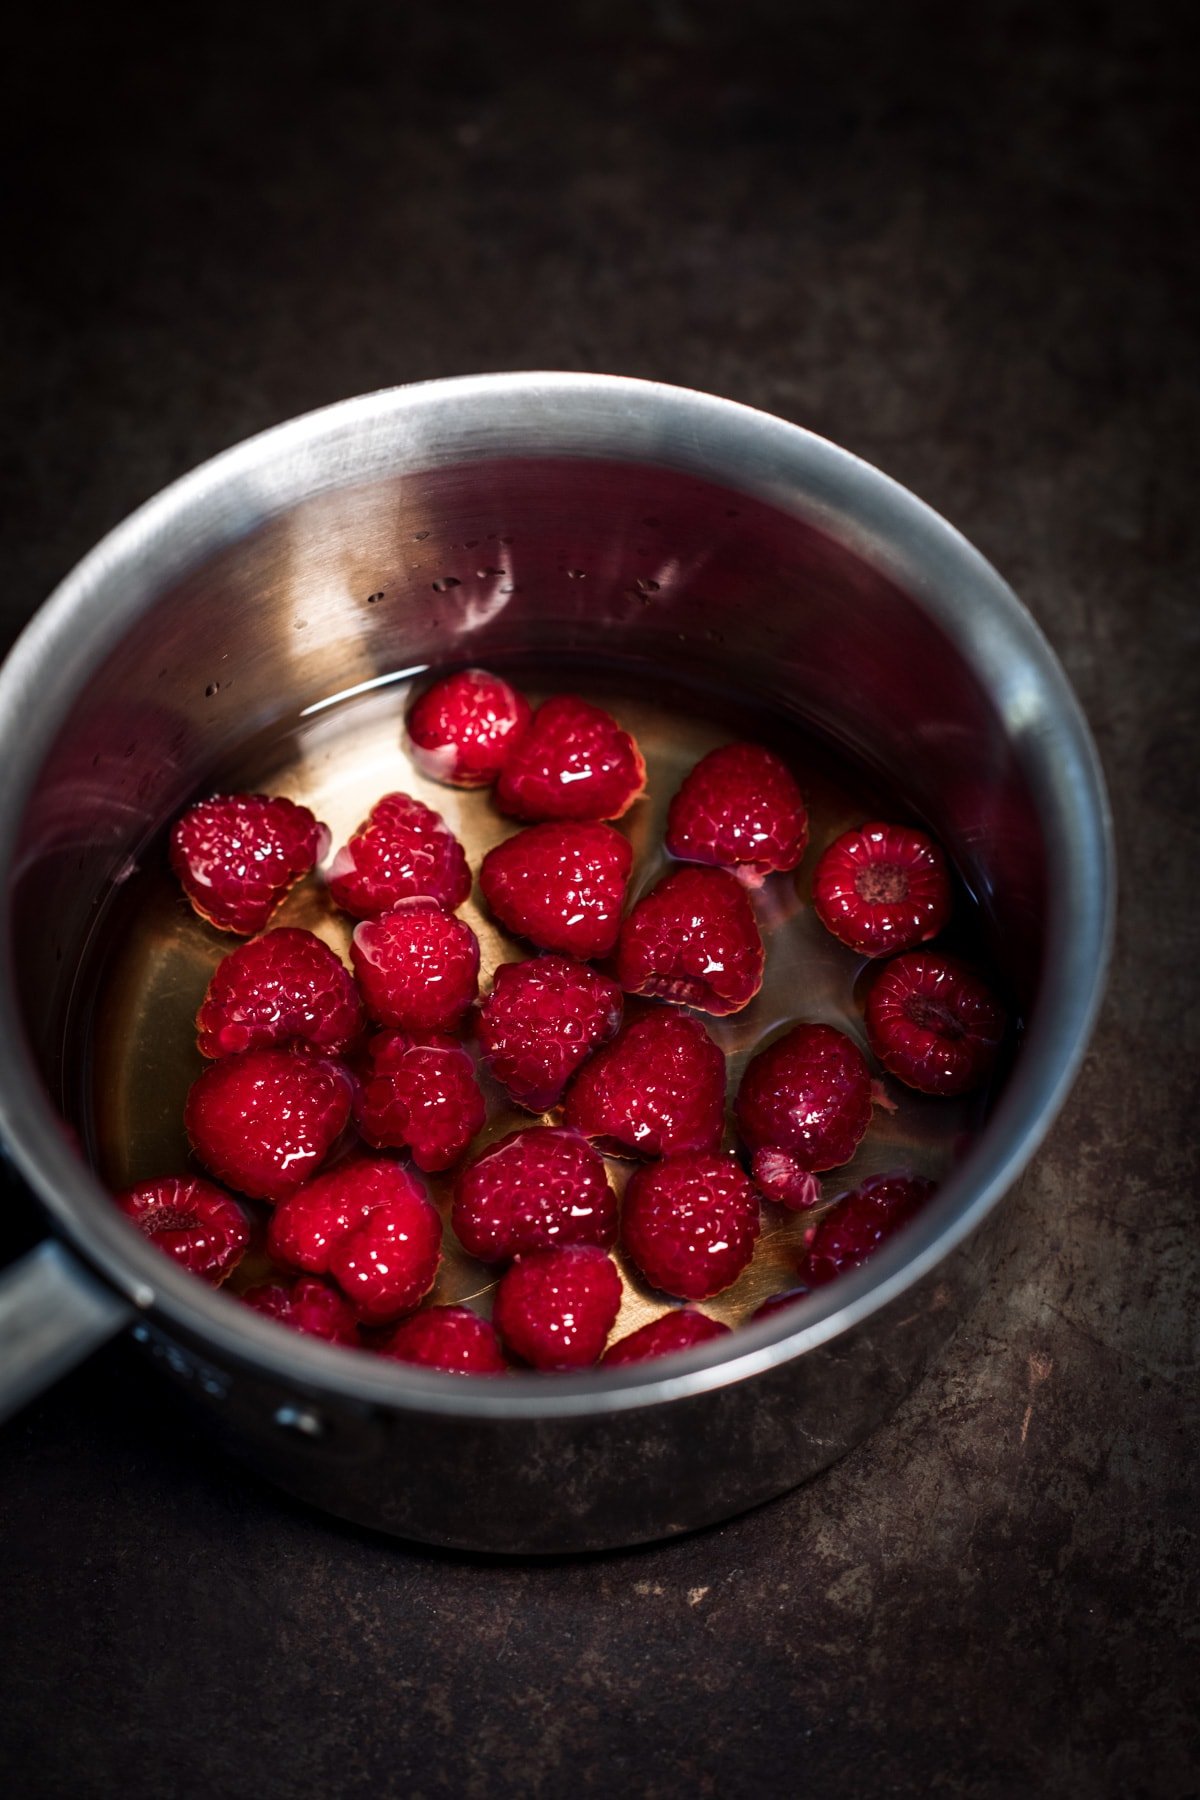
(853, 1230)
(447, 1337)
(534, 1189)
(195, 1223)
(370, 1225)
(555, 1308)
(690, 1224)
(881, 888)
(265, 1120)
(779, 1303)
(307, 1305)
(561, 886)
(657, 1088)
(574, 762)
(284, 987)
(463, 729)
(681, 1330)
(237, 855)
(541, 1020)
(403, 850)
(803, 1105)
(740, 808)
(418, 966)
(693, 939)
(933, 1023)
(421, 1093)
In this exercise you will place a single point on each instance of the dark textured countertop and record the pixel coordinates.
(959, 242)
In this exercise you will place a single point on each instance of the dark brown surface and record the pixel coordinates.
(958, 241)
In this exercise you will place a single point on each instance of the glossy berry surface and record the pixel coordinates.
(882, 888)
(573, 762)
(803, 1105)
(265, 1120)
(451, 1338)
(561, 886)
(308, 1305)
(934, 1023)
(693, 939)
(740, 808)
(542, 1019)
(237, 855)
(532, 1190)
(403, 851)
(690, 1224)
(417, 966)
(420, 1094)
(853, 1230)
(555, 1308)
(463, 729)
(369, 1224)
(284, 987)
(658, 1087)
(191, 1221)
(681, 1330)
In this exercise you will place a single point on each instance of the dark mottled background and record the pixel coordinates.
(960, 241)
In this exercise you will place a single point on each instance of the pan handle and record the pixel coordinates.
(53, 1313)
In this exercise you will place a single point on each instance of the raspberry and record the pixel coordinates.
(803, 1105)
(693, 939)
(657, 1088)
(195, 1223)
(933, 1023)
(420, 1093)
(534, 1189)
(574, 762)
(541, 1020)
(561, 886)
(284, 987)
(779, 1303)
(307, 1305)
(555, 1308)
(681, 1330)
(265, 1120)
(370, 1225)
(418, 966)
(237, 855)
(463, 729)
(402, 851)
(853, 1230)
(690, 1224)
(881, 888)
(740, 808)
(447, 1337)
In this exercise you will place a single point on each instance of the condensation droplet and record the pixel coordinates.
(446, 583)
(214, 687)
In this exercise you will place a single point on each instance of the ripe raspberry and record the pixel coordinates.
(403, 850)
(418, 966)
(541, 1020)
(658, 1087)
(555, 1308)
(740, 808)
(681, 1330)
(574, 762)
(265, 1120)
(534, 1189)
(447, 1337)
(853, 1230)
(463, 729)
(881, 888)
(284, 987)
(693, 939)
(690, 1224)
(370, 1225)
(237, 855)
(421, 1093)
(803, 1105)
(192, 1221)
(307, 1305)
(779, 1303)
(561, 886)
(933, 1023)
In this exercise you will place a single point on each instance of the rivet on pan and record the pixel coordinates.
(301, 1419)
